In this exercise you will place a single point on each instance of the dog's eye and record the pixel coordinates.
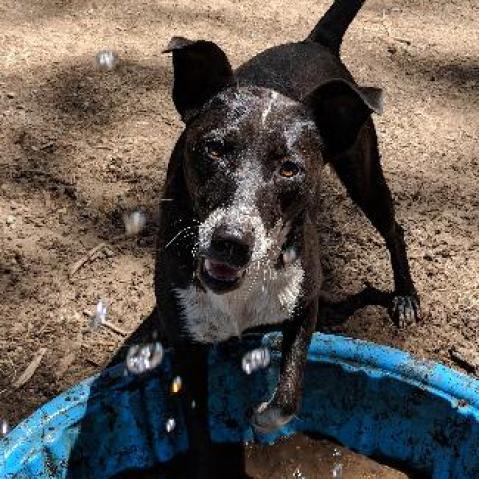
(288, 169)
(214, 150)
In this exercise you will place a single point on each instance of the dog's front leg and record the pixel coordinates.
(285, 402)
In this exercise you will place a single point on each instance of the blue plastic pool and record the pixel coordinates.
(373, 399)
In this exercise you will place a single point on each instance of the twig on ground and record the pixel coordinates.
(385, 25)
(64, 364)
(389, 33)
(402, 40)
(108, 324)
(467, 359)
(92, 254)
(94, 363)
(86, 258)
(113, 327)
(30, 369)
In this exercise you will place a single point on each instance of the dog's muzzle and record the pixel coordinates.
(223, 265)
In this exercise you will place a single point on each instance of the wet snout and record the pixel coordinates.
(227, 256)
(232, 245)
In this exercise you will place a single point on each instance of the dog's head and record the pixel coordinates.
(252, 158)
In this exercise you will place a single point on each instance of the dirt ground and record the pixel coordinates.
(79, 147)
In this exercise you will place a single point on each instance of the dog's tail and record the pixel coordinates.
(331, 28)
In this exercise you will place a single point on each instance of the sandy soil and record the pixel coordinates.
(79, 147)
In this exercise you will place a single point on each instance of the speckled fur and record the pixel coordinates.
(268, 296)
(274, 123)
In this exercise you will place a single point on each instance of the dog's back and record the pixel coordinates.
(296, 69)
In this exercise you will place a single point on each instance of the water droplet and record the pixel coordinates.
(297, 474)
(256, 359)
(106, 60)
(337, 470)
(144, 357)
(170, 425)
(193, 404)
(134, 223)
(98, 319)
(4, 428)
(176, 385)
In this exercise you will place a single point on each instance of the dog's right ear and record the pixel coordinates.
(201, 70)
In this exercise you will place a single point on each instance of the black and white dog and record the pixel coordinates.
(238, 242)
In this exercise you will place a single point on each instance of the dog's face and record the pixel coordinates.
(252, 160)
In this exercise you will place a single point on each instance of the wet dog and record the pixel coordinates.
(238, 242)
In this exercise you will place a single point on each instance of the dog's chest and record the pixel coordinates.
(266, 299)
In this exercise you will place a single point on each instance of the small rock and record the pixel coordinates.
(109, 253)
(10, 220)
(428, 257)
(466, 358)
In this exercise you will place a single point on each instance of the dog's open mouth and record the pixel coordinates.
(219, 276)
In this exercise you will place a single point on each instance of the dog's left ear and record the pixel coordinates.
(201, 70)
(340, 109)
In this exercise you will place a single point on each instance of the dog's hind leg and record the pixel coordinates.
(361, 173)
(334, 312)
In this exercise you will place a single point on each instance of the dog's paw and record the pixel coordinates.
(405, 310)
(268, 418)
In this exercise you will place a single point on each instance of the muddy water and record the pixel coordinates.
(299, 457)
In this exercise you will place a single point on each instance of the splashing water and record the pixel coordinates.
(99, 318)
(134, 223)
(176, 385)
(106, 60)
(4, 428)
(144, 357)
(297, 474)
(256, 359)
(170, 425)
(337, 470)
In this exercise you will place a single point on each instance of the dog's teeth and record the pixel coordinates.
(143, 358)
(210, 269)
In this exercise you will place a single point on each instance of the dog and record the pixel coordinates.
(238, 242)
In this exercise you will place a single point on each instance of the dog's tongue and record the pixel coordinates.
(221, 271)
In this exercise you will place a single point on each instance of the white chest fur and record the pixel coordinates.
(266, 297)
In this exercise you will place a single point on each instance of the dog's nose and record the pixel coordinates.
(232, 245)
